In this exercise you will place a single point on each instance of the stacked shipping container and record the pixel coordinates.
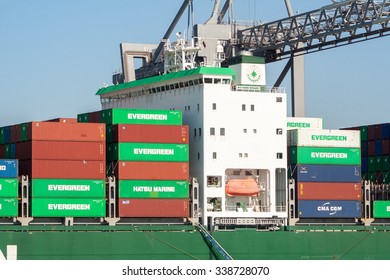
(147, 152)
(65, 162)
(326, 167)
(8, 188)
(375, 143)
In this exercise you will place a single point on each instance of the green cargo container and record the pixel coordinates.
(364, 133)
(382, 209)
(153, 189)
(371, 164)
(141, 116)
(109, 133)
(7, 151)
(386, 163)
(8, 187)
(372, 177)
(8, 207)
(68, 207)
(378, 163)
(386, 177)
(2, 135)
(68, 188)
(148, 152)
(24, 132)
(82, 117)
(324, 155)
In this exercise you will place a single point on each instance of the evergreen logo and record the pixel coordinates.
(253, 74)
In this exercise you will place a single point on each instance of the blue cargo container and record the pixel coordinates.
(385, 130)
(7, 134)
(364, 148)
(378, 147)
(326, 173)
(8, 168)
(329, 209)
(364, 164)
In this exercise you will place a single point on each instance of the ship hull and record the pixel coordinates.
(186, 243)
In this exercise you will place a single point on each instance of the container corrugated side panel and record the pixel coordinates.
(324, 155)
(386, 147)
(61, 150)
(153, 208)
(141, 116)
(9, 168)
(8, 187)
(55, 131)
(68, 207)
(326, 173)
(68, 188)
(150, 152)
(381, 209)
(177, 134)
(149, 170)
(324, 138)
(328, 191)
(153, 189)
(64, 169)
(8, 207)
(329, 209)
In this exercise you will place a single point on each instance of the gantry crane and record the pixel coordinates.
(338, 24)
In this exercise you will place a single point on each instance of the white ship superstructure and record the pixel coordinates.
(237, 126)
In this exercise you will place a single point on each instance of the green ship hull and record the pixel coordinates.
(187, 243)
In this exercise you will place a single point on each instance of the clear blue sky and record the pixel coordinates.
(54, 56)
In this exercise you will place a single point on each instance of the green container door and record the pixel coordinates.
(24, 132)
(364, 133)
(381, 209)
(148, 152)
(141, 116)
(378, 163)
(324, 155)
(386, 163)
(82, 117)
(8, 187)
(8, 207)
(371, 164)
(68, 207)
(153, 189)
(2, 135)
(68, 188)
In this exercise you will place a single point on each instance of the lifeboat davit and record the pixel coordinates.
(242, 187)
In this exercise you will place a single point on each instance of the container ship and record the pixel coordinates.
(193, 156)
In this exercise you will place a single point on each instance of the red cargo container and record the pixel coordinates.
(58, 131)
(371, 148)
(16, 133)
(153, 208)
(329, 191)
(148, 170)
(371, 132)
(64, 120)
(378, 132)
(2, 151)
(176, 134)
(386, 147)
(64, 169)
(61, 150)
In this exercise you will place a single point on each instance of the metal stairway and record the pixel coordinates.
(219, 252)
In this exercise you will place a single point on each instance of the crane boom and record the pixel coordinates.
(330, 26)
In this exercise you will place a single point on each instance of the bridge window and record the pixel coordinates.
(208, 80)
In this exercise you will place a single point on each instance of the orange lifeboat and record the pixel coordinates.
(242, 187)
